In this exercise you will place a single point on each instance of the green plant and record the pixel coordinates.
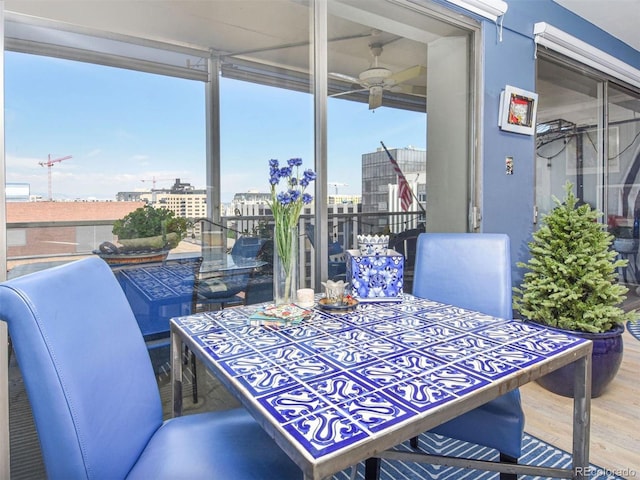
(148, 221)
(571, 282)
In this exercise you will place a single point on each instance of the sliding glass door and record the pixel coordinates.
(623, 193)
(568, 137)
(588, 134)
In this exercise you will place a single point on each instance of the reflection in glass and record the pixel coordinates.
(623, 194)
(568, 131)
(601, 160)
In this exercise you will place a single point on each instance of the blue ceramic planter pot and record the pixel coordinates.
(606, 358)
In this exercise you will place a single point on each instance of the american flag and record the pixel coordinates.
(404, 190)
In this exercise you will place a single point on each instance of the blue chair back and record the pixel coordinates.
(469, 270)
(82, 358)
(247, 247)
(337, 264)
(473, 270)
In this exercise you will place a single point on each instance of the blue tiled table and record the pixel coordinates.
(338, 389)
(161, 290)
(153, 288)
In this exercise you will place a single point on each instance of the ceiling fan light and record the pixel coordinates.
(375, 97)
(375, 75)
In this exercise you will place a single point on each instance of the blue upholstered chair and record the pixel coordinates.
(94, 396)
(473, 270)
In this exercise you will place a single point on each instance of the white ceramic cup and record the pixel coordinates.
(306, 297)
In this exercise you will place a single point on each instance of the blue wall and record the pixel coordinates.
(508, 200)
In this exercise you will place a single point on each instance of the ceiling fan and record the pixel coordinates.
(377, 79)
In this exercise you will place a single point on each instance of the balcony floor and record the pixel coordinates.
(615, 416)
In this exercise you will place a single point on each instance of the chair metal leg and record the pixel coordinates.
(504, 458)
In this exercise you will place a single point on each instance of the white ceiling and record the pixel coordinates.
(191, 20)
(621, 18)
(272, 33)
(242, 30)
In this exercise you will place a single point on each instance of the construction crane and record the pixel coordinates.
(153, 181)
(335, 184)
(50, 163)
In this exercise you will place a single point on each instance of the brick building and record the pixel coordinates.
(61, 228)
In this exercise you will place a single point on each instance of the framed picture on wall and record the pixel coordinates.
(518, 110)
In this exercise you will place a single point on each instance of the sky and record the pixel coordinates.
(125, 129)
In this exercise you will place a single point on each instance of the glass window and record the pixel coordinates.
(85, 136)
(588, 133)
(389, 68)
(623, 194)
(567, 138)
(134, 136)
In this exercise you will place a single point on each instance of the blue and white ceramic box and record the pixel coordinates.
(375, 278)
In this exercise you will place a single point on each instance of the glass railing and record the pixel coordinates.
(36, 245)
(33, 246)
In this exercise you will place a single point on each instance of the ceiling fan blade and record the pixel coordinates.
(407, 74)
(375, 97)
(348, 92)
(409, 89)
(344, 78)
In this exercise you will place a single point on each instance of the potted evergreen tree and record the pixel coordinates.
(571, 284)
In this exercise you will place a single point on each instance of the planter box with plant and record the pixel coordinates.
(145, 231)
(571, 284)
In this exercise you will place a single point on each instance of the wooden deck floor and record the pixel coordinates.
(615, 417)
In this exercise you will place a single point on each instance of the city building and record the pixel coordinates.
(337, 199)
(18, 192)
(53, 229)
(252, 197)
(243, 214)
(377, 176)
(182, 199)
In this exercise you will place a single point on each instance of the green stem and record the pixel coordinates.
(287, 285)
(284, 238)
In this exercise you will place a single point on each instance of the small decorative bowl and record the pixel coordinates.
(373, 244)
